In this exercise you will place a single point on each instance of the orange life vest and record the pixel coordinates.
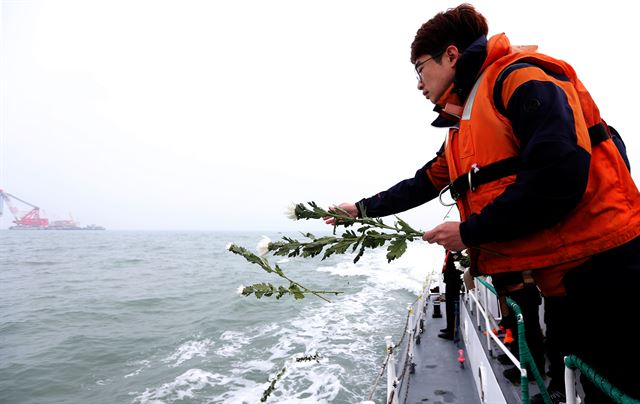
(608, 214)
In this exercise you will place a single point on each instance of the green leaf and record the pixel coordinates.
(281, 292)
(359, 255)
(251, 257)
(396, 248)
(259, 290)
(338, 248)
(296, 292)
(405, 226)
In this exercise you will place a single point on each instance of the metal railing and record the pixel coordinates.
(572, 363)
(414, 326)
(525, 359)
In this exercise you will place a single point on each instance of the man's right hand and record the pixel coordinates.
(349, 208)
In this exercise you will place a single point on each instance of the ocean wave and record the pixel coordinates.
(143, 365)
(181, 387)
(234, 341)
(349, 331)
(189, 350)
(405, 273)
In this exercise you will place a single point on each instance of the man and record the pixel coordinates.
(452, 278)
(538, 181)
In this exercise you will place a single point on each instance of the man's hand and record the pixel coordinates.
(447, 235)
(349, 208)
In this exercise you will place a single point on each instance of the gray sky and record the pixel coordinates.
(215, 115)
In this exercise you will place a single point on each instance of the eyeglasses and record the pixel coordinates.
(418, 66)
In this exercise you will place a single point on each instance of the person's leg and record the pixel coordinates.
(603, 293)
(528, 299)
(555, 318)
(450, 297)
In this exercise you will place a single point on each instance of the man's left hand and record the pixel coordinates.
(447, 235)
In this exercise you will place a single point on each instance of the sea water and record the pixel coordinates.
(155, 317)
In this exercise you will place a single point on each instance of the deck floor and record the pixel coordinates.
(438, 376)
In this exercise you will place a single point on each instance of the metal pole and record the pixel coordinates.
(391, 373)
(487, 325)
(570, 383)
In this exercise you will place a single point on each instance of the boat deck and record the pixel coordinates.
(438, 376)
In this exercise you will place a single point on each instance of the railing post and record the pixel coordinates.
(487, 325)
(391, 373)
(477, 325)
(569, 383)
(410, 342)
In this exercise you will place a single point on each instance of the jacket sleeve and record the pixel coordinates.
(409, 193)
(555, 168)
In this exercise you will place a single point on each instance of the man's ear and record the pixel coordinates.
(451, 55)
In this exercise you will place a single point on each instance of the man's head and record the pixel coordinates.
(438, 45)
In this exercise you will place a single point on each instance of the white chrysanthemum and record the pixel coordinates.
(240, 289)
(291, 212)
(263, 246)
(228, 246)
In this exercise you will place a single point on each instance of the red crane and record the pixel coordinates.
(31, 220)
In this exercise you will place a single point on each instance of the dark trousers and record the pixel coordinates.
(528, 299)
(556, 312)
(452, 299)
(603, 307)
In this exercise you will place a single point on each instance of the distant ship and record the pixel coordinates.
(32, 220)
(70, 225)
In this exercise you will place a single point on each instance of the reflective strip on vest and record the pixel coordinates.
(466, 114)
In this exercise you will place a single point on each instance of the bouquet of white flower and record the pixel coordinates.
(372, 233)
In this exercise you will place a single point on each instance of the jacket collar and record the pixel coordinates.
(473, 61)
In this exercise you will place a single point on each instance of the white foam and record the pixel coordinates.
(260, 365)
(234, 343)
(144, 363)
(405, 273)
(181, 387)
(251, 392)
(349, 331)
(189, 350)
(309, 385)
(302, 382)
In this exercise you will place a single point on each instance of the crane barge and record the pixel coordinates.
(32, 219)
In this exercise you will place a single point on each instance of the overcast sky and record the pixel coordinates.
(215, 115)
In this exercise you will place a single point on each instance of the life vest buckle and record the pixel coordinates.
(474, 169)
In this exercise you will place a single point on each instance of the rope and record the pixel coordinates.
(390, 350)
(404, 368)
(406, 364)
(573, 362)
(406, 391)
(526, 359)
(375, 384)
(404, 333)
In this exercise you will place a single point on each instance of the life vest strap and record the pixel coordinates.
(482, 175)
(598, 133)
(510, 166)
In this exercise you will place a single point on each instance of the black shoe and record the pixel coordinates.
(512, 374)
(446, 331)
(503, 359)
(446, 335)
(557, 397)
